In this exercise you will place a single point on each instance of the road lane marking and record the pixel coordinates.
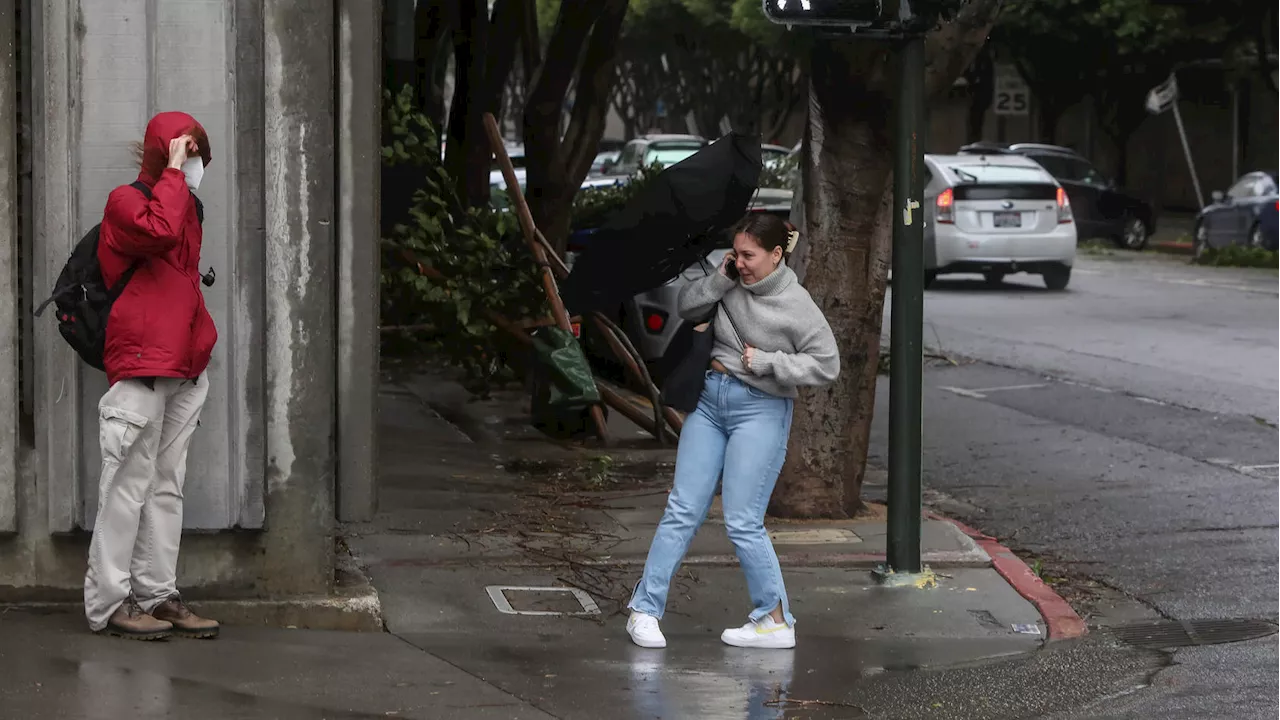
(1011, 387)
(1270, 466)
(962, 391)
(1266, 470)
(981, 393)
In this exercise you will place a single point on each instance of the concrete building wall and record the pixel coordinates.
(138, 58)
(10, 285)
(260, 75)
(359, 254)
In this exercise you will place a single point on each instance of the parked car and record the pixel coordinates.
(771, 154)
(996, 215)
(1101, 209)
(516, 153)
(603, 160)
(652, 321)
(1243, 215)
(648, 149)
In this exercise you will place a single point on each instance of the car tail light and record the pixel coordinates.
(1064, 207)
(655, 321)
(945, 207)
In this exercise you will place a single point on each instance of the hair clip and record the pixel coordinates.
(792, 238)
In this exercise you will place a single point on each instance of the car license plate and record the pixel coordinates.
(1008, 220)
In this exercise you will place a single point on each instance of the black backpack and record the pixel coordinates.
(83, 299)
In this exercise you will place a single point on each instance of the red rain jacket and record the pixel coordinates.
(159, 326)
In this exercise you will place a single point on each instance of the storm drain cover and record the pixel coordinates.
(1186, 633)
(523, 600)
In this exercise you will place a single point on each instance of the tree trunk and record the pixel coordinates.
(845, 171)
(1047, 117)
(468, 147)
(432, 22)
(982, 87)
(504, 44)
(847, 195)
(556, 166)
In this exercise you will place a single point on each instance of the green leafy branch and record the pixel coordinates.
(478, 251)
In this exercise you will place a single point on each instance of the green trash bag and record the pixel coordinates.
(563, 365)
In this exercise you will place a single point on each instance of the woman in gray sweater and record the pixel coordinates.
(738, 434)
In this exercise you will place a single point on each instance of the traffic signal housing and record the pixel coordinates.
(824, 12)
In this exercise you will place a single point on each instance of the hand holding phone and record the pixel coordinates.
(729, 266)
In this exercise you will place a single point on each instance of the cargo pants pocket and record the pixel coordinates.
(118, 430)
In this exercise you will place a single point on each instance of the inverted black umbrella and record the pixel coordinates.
(669, 226)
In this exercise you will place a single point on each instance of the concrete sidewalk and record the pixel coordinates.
(503, 591)
(521, 578)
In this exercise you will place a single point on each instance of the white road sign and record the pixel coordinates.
(1012, 96)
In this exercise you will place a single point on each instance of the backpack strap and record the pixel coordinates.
(124, 279)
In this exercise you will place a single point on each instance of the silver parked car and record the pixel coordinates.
(996, 215)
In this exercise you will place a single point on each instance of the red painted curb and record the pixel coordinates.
(1173, 248)
(1062, 621)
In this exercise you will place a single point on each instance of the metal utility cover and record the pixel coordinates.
(498, 594)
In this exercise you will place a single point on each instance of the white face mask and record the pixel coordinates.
(193, 168)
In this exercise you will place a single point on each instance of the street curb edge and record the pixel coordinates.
(1060, 618)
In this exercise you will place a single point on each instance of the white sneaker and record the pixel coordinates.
(644, 631)
(763, 634)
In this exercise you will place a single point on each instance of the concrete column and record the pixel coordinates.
(300, 359)
(10, 303)
(359, 174)
(55, 86)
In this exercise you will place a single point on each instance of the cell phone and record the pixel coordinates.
(731, 270)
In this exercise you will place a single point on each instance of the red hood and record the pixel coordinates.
(162, 129)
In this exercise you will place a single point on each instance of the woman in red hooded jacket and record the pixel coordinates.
(159, 340)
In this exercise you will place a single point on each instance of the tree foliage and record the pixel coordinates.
(477, 249)
(708, 59)
(578, 63)
(1114, 51)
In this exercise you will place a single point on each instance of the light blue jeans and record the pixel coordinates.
(737, 433)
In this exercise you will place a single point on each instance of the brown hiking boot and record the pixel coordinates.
(132, 622)
(185, 622)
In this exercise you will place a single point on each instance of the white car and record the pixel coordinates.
(995, 216)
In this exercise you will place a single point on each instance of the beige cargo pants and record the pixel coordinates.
(144, 433)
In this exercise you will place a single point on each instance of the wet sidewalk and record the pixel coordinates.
(516, 567)
(503, 563)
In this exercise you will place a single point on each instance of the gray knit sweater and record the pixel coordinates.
(794, 344)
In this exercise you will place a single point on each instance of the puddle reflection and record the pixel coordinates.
(746, 684)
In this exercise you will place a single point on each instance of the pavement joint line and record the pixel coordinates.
(1060, 619)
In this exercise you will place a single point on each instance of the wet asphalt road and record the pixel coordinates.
(1124, 432)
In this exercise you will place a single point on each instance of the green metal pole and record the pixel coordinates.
(907, 318)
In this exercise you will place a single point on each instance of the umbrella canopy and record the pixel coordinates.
(669, 226)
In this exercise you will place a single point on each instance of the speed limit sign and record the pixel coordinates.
(1012, 96)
